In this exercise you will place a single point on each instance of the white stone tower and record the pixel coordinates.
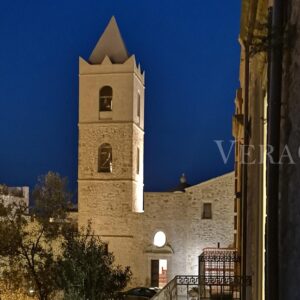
(111, 139)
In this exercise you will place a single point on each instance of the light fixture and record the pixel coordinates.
(31, 292)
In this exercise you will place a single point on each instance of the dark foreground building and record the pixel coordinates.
(266, 126)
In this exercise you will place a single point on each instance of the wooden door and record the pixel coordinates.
(154, 272)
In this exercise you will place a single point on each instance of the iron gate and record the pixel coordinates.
(219, 274)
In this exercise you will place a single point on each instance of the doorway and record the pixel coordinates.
(159, 269)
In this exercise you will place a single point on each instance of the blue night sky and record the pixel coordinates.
(188, 48)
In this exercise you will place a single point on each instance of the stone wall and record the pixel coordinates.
(179, 216)
(125, 79)
(14, 194)
(220, 229)
(255, 169)
(92, 136)
(114, 201)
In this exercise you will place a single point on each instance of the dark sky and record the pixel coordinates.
(188, 48)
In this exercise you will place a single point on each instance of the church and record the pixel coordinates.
(158, 234)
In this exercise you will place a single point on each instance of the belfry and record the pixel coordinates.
(158, 235)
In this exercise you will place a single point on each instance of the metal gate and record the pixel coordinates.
(219, 274)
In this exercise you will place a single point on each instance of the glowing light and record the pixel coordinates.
(31, 292)
(159, 239)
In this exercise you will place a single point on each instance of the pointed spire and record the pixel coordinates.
(110, 44)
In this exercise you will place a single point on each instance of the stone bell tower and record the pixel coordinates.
(111, 137)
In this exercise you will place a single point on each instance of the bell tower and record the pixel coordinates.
(111, 136)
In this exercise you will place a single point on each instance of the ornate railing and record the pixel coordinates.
(187, 286)
(225, 280)
(218, 278)
(181, 286)
(202, 287)
(187, 280)
(219, 274)
(219, 255)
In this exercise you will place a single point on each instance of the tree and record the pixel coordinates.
(51, 199)
(40, 251)
(27, 257)
(27, 242)
(87, 268)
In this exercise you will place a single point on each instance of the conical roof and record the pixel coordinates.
(110, 44)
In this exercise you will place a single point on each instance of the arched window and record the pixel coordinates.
(105, 158)
(105, 98)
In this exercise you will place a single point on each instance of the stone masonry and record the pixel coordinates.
(121, 213)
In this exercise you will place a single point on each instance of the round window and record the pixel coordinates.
(159, 239)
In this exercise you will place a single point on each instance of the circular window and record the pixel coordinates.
(159, 239)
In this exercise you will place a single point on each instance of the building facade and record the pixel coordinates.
(250, 132)
(10, 195)
(266, 129)
(159, 235)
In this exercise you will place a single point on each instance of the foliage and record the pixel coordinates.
(51, 198)
(26, 242)
(27, 258)
(87, 269)
(40, 251)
